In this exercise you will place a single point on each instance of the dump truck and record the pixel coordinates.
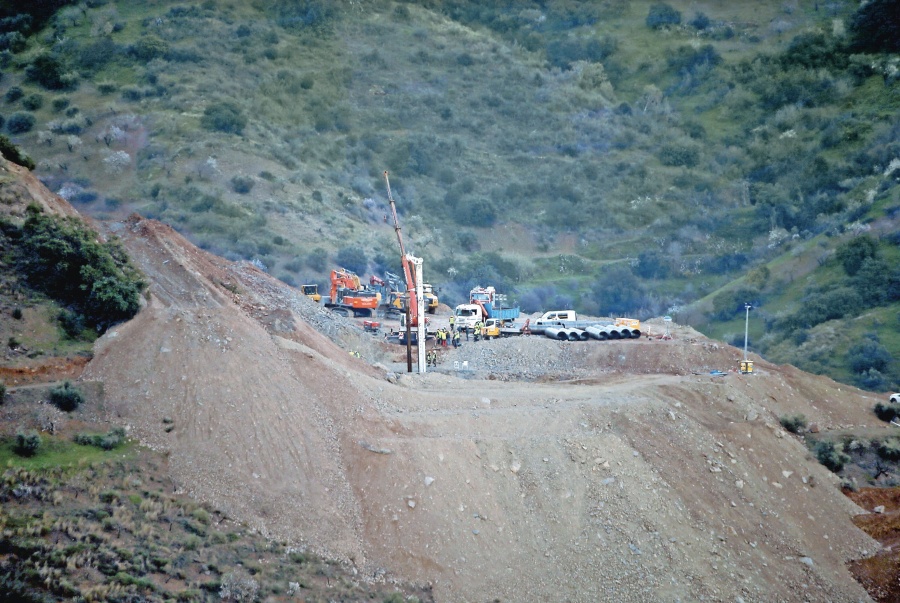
(312, 292)
(484, 303)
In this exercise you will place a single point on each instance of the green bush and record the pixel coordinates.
(875, 27)
(13, 153)
(13, 94)
(886, 412)
(66, 397)
(242, 184)
(868, 354)
(223, 117)
(27, 443)
(661, 15)
(2, 392)
(33, 102)
(889, 449)
(48, 71)
(19, 123)
(854, 252)
(831, 455)
(63, 258)
(108, 441)
(794, 423)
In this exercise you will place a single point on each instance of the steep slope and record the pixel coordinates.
(637, 481)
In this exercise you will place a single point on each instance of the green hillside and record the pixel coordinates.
(617, 157)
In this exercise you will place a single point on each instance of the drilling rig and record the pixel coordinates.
(412, 271)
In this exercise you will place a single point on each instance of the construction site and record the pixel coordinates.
(519, 469)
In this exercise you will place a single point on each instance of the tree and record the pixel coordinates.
(353, 258)
(48, 71)
(662, 15)
(27, 443)
(875, 27)
(64, 258)
(868, 355)
(652, 264)
(66, 397)
(223, 117)
(854, 252)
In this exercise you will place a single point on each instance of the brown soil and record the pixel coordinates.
(880, 574)
(44, 370)
(591, 471)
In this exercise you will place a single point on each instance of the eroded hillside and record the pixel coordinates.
(609, 455)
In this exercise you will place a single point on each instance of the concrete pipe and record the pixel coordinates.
(635, 333)
(556, 333)
(614, 333)
(597, 333)
(580, 334)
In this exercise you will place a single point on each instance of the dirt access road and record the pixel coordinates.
(590, 471)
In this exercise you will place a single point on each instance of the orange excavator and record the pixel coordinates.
(348, 295)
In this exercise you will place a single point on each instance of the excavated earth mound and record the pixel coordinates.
(588, 471)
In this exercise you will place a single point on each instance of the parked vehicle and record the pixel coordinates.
(484, 303)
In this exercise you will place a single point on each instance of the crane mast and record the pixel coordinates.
(412, 271)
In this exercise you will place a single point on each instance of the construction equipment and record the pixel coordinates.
(412, 270)
(312, 292)
(349, 296)
(392, 293)
(484, 303)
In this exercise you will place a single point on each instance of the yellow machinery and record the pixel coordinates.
(312, 292)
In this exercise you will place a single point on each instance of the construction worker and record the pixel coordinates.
(453, 323)
(455, 339)
(478, 330)
(445, 337)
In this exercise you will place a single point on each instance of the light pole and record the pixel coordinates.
(746, 326)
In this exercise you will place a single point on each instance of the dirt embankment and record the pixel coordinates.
(590, 471)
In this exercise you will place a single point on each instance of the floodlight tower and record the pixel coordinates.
(746, 328)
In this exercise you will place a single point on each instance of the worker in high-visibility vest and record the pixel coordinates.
(477, 330)
(453, 323)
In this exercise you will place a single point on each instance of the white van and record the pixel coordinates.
(555, 315)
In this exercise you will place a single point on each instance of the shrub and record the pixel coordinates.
(868, 354)
(831, 455)
(2, 392)
(108, 441)
(223, 117)
(33, 102)
(13, 153)
(700, 21)
(72, 323)
(886, 412)
(60, 103)
(242, 184)
(353, 258)
(63, 258)
(674, 155)
(13, 94)
(48, 71)
(794, 424)
(66, 397)
(19, 123)
(889, 449)
(27, 443)
(148, 48)
(854, 252)
(874, 27)
(662, 15)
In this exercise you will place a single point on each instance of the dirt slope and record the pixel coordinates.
(613, 473)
